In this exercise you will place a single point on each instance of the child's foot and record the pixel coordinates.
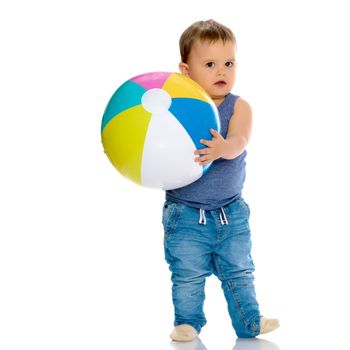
(184, 332)
(268, 324)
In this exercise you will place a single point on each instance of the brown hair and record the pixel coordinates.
(210, 30)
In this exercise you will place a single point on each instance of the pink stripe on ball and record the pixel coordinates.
(151, 80)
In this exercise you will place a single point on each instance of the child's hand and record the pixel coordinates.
(213, 151)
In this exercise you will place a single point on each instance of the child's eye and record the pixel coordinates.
(210, 64)
(229, 64)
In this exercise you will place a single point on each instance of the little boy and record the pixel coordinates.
(206, 223)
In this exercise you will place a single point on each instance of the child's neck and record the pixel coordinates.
(218, 101)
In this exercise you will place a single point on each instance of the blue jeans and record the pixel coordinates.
(198, 243)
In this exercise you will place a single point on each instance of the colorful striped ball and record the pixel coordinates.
(153, 124)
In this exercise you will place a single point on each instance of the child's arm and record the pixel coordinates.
(238, 134)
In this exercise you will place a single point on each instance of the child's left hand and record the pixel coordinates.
(213, 150)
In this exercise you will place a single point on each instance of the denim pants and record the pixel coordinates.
(199, 243)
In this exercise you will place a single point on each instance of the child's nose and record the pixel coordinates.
(220, 71)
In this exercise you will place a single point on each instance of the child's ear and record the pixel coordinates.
(183, 67)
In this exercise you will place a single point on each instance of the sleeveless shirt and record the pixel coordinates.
(223, 182)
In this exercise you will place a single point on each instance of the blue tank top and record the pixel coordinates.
(223, 182)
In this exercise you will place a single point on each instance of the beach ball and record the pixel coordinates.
(153, 124)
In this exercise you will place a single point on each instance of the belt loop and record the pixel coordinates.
(202, 218)
(223, 217)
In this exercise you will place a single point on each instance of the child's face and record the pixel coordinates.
(213, 66)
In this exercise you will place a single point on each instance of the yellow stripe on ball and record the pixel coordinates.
(123, 139)
(178, 85)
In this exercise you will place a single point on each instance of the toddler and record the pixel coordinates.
(206, 223)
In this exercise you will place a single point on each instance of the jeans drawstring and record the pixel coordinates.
(202, 218)
(223, 217)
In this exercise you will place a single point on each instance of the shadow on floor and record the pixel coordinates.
(241, 344)
(255, 344)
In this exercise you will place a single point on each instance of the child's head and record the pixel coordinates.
(208, 56)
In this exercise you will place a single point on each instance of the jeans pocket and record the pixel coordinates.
(239, 213)
(170, 213)
(246, 207)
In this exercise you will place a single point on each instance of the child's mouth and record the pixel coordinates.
(220, 83)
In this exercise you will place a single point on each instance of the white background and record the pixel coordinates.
(81, 257)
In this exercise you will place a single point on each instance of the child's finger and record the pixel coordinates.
(205, 162)
(202, 151)
(205, 142)
(214, 132)
(198, 159)
(204, 159)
